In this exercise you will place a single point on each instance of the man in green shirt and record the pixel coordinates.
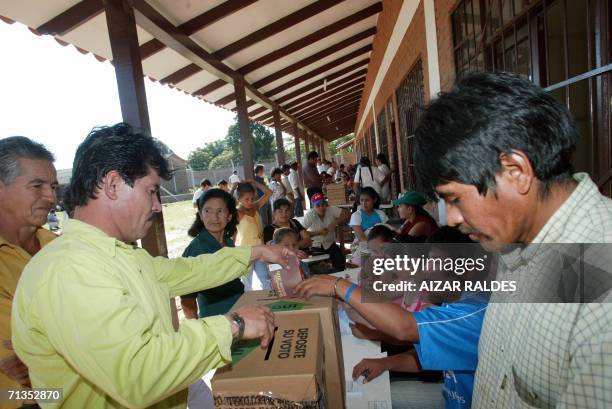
(91, 312)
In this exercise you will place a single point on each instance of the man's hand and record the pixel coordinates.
(13, 368)
(369, 368)
(318, 285)
(275, 254)
(258, 323)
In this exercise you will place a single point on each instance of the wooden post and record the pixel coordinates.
(298, 156)
(306, 147)
(132, 97)
(280, 150)
(245, 131)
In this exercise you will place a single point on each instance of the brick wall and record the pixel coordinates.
(412, 47)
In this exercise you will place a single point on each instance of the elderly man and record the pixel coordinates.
(28, 184)
(91, 312)
(497, 149)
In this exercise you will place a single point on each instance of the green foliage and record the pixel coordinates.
(222, 153)
(200, 158)
(333, 146)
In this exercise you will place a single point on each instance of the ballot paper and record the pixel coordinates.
(285, 279)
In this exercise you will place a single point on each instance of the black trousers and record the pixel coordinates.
(337, 257)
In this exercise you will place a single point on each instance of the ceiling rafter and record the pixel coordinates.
(315, 57)
(328, 101)
(319, 93)
(300, 44)
(197, 23)
(278, 26)
(229, 98)
(72, 18)
(151, 20)
(346, 105)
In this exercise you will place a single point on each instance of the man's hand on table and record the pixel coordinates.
(369, 368)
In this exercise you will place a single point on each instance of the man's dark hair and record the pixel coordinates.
(205, 182)
(127, 150)
(222, 182)
(258, 168)
(312, 155)
(285, 168)
(294, 165)
(276, 171)
(278, 203)
(462, 133)
(14, 148)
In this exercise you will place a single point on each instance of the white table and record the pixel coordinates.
(375, 394)
(312, 259)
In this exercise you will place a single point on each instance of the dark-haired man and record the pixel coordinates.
(205, 184)
(28, 184)
(497, 149)
(312, 178)
(91, 312)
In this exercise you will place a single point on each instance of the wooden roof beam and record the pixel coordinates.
(72, 18)
(332, 99)
(278, 26)
(319, 93)
(312, 38)
(149, 19)
(229, 98)
(197, 23)
(315, 57)
(301, 43)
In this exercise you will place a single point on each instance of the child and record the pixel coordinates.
(250, 228)
(286, 236)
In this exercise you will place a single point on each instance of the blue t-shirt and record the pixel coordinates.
(369, 220)
(448, 341)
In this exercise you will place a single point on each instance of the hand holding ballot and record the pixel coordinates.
(274, 254)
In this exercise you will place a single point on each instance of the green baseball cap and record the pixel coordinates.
(411, 199)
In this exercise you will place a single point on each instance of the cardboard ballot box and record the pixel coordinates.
(288, 374)
(326, 307)
(336, 194)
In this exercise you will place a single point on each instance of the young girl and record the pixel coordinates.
(367, 214)
(213, 228)
(250, 227)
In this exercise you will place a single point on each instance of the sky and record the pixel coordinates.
(55, 95)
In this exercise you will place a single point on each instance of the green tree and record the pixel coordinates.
(333, 146)
(264, 144)
(200, 158)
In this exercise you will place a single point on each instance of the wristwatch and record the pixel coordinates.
(239, 321)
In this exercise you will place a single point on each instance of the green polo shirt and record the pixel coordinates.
(218, 300)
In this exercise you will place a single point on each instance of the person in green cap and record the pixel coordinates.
(417, 222)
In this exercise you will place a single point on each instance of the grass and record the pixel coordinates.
(177, 220)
